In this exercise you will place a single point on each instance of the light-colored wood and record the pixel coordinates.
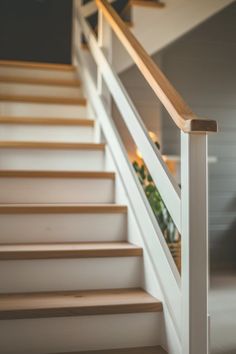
(50, 145)
(77, 303)
(37, 65)
(68, 250)
(57, 174)
(47, 121)
(40, 81)
(62, 209)
(143, 350)
(182, 115)
(43, 99)
(147, 3)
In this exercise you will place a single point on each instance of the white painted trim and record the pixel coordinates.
(194, 196)
(163, 179)
(161, 259)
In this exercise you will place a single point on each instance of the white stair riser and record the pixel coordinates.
(43, 228)
(37, 73)
(71, 334)
(56, 190)
(53, 160)
(40, 90)
(26, 109)
(20, 132)
(70, 274)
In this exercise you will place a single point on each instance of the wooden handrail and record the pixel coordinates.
(179, 111)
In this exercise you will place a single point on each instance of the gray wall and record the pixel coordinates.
(202, 66)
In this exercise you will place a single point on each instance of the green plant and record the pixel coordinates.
(159, 209)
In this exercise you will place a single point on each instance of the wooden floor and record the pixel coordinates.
(222, 309)
(146, 350)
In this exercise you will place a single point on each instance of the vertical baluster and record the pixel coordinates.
(194, 201)
(105, 42)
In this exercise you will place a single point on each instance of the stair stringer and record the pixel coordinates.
(167, 25)
(169, 338)
(160, 275)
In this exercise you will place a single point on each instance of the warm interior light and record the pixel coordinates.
(153, 136)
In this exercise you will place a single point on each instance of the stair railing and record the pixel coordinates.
(187, 206)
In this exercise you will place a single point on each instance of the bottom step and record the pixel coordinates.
(80, 334)
(70, 322)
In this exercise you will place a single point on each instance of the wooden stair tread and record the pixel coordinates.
(43, 99)
(140, 350)
(68, 250)
(57, 174)
(62, 209)
(147, 3)
(50, 145)
(77, 303)
(40, 81)
(37, 65)
(47, 121)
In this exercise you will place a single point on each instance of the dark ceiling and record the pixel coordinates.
(36, 30)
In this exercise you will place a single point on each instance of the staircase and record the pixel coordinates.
(85, 267)
(71, 279)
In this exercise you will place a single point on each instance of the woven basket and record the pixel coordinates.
(175, 249)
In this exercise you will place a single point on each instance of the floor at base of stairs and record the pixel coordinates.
(143, 350)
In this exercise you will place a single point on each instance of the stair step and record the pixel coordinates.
(40, 81)
(33, 109)
(143, 350)
(36, 187)
(77, 303)
(43, 99)
(47, 121)
(51, 155)
(37, 65)
(68, 250)
(147, 3)
(61, 209)
(57, 174)
(47, 130)
(50, 223)
(50, 145)
(42, 72)
(42, 92)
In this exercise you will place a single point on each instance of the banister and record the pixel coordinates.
(179, 111)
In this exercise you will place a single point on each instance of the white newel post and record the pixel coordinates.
(194, 201)
(105, 43)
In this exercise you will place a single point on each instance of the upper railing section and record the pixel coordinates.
(179, 111)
